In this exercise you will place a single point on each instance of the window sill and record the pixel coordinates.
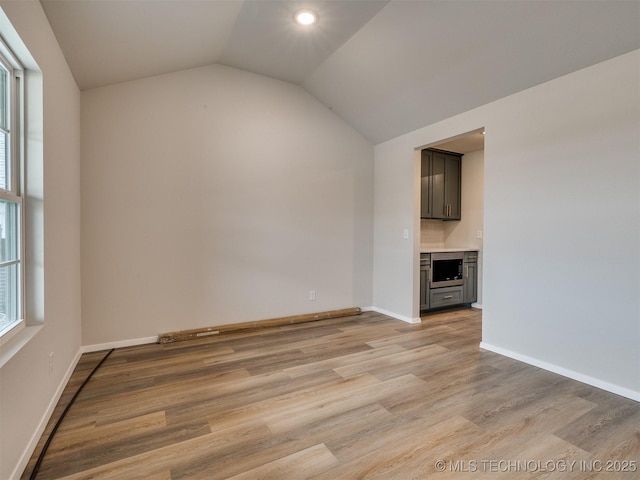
(13, 343)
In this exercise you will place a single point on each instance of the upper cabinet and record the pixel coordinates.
(440, 191)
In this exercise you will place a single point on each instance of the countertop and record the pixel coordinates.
(453, 249)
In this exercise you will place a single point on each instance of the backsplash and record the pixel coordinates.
(432, 233)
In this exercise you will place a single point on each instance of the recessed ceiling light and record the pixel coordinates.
(305, 17)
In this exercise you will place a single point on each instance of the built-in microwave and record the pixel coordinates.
(446, 269)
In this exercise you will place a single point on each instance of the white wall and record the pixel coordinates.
(27, 391)
(561, 223)
(214, 196)
(396, 201)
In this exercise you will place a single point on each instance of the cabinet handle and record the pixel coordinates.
(466, 271)
(447, 297)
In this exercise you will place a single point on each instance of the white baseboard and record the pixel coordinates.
(392, 314)
(565, 372)
(119, 344)
(477, 305)
(35, 438)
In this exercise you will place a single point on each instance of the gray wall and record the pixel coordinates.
(561, 223)
(28, 391)
(214, 196)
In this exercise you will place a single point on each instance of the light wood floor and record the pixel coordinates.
(356, 397)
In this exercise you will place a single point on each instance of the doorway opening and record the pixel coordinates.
(467, 233)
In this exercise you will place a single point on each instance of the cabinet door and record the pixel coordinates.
(425, 204)
(424, 289)
(470, 282)
(452, 178)
(440, 185)
(425, 189)
(437, 185)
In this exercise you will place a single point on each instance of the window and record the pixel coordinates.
(11, 264)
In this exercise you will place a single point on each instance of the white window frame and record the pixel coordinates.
(14, 191)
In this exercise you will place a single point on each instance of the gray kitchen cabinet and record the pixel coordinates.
(445, 296)
(470, 268)
(436, 298)
(440, 185)
(425, 265)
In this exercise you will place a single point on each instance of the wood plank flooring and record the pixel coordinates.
(349, 398)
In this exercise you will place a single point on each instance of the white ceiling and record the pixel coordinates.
(386, 67)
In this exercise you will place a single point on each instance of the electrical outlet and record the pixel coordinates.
(312, 295)
(50, 363)
(478, 233)
(405, 233)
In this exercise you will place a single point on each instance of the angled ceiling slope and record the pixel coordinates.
(417, 63)
(265, 39)
(386, 67)
(111, 41)
(106, 41)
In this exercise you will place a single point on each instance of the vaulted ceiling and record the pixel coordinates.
(387, 67)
